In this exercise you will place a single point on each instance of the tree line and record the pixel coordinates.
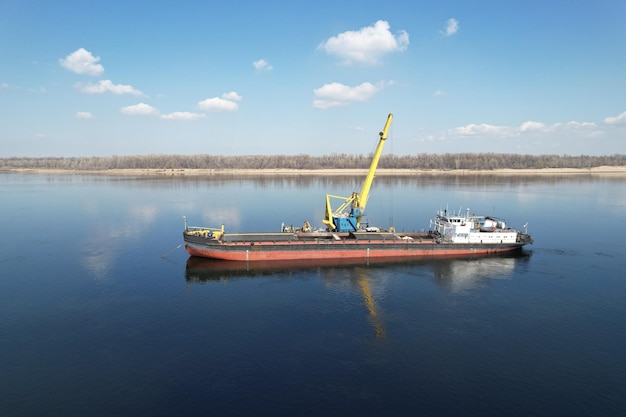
(427, 161)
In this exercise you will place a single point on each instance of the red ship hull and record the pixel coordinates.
(355, 249)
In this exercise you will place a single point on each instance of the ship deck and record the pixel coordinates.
(321, 236)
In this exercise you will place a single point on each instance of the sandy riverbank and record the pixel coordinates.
(604, 170)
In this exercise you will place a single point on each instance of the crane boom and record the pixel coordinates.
(341, 220)
(367, 185)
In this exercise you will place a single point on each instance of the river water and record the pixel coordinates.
(103, 313)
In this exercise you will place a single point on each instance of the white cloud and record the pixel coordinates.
(616, 120)
(143, 109)
(84, 115)
(82, 61)
(439, 93)
(367, 45)
(105, 86)
(232, 96)
(140, 109)
(479, 129)
(578, 125)
(529, 127)
(219, 104)
(532, 126)
(529, 133)
(183, 115)
(262, 64)
(452, 27)
(336, 94)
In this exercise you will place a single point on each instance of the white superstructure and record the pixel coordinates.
(466, 228)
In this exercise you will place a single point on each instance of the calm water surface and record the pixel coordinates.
(103, 313)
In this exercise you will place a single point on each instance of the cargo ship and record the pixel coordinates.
(344, 237)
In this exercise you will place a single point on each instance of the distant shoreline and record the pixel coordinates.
(603, 170)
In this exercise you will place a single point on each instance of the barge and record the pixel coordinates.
(343, 237)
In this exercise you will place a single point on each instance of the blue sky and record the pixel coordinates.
(96, 78)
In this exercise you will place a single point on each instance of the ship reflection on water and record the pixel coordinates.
(202, 270)
(454, 274)
(457, 275)
(367, 279)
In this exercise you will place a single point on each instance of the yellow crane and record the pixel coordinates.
(347, 217)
